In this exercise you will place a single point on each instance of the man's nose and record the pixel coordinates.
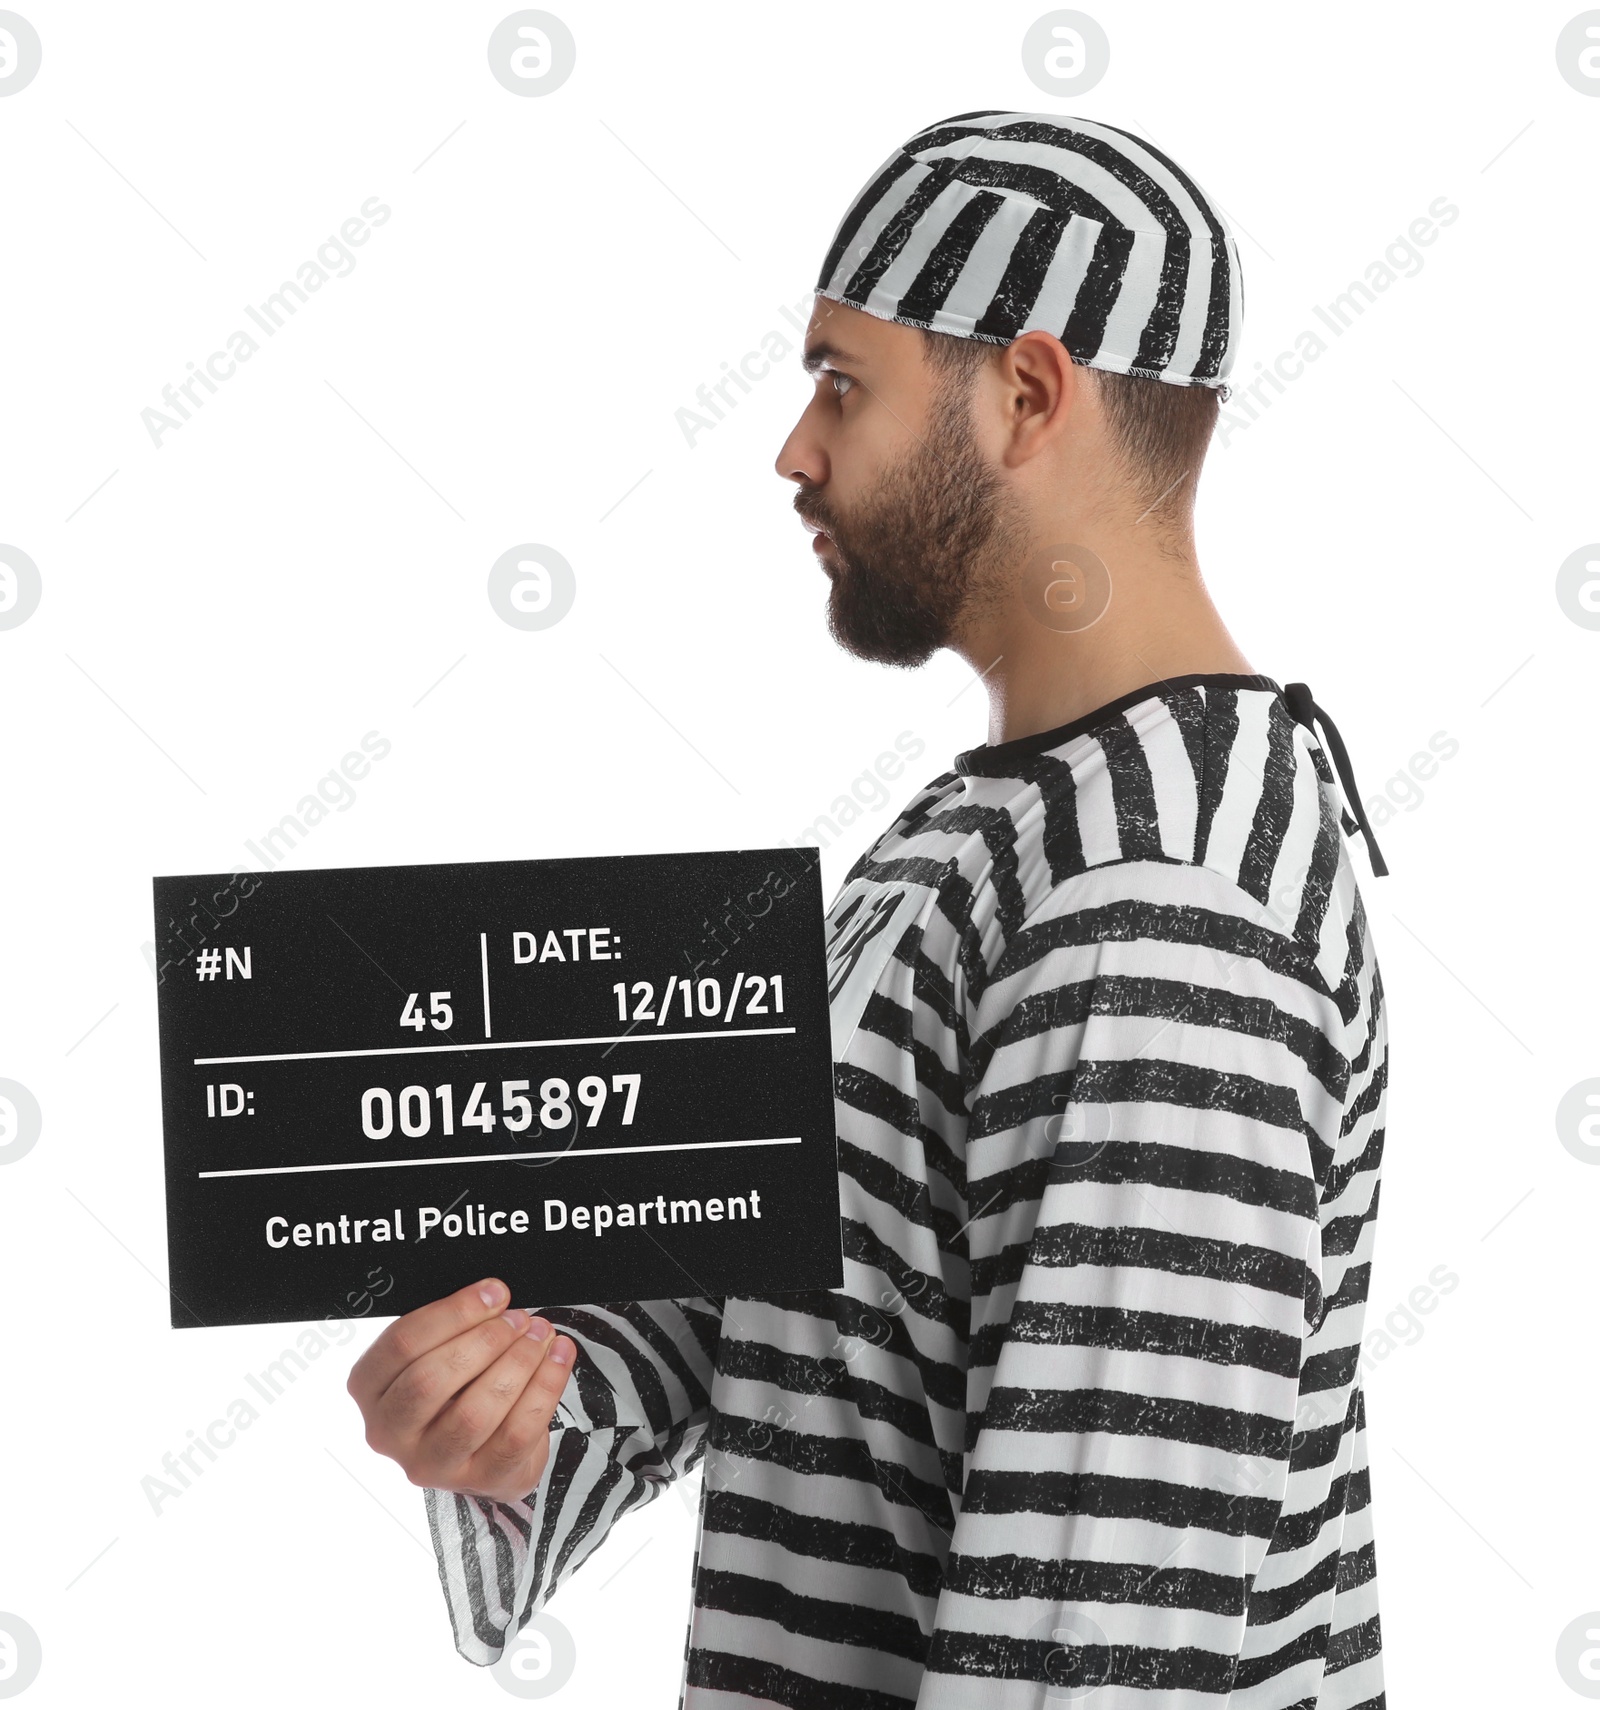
(801, 458)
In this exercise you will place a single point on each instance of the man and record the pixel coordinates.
(1085, 1420)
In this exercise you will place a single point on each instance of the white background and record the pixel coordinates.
(305, 560)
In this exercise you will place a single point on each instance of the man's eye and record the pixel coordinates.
(835, 376)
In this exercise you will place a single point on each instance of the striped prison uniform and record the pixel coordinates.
(1084, 1425)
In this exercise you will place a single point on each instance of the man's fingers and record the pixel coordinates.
(511, 1461)
(421, 1331)
(426, 1388)
(461, 1394)
(471, 1418)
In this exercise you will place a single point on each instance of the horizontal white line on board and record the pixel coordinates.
(499, 1157)
(495, 1045)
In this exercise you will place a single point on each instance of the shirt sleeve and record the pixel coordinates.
(632, 1419)
(1154, 1089)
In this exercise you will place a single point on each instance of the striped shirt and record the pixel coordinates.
(1085, 1420)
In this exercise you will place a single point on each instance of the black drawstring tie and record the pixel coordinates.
(1297, 697)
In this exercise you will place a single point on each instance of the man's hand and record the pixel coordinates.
(461, 1392)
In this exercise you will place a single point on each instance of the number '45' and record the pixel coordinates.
(438, 1006)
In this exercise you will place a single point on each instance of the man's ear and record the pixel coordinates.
(1041, 384)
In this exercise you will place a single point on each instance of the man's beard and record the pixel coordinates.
(928, 547)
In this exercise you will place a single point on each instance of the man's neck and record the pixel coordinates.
(1157, 623)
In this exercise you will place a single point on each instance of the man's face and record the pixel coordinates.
(918, 526)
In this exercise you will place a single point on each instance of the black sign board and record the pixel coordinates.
(601, 1079)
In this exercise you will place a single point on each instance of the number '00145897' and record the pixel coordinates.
(415, 1106)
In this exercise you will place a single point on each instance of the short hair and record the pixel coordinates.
(1160, 431)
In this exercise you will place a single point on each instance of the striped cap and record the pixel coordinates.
(987, 225)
